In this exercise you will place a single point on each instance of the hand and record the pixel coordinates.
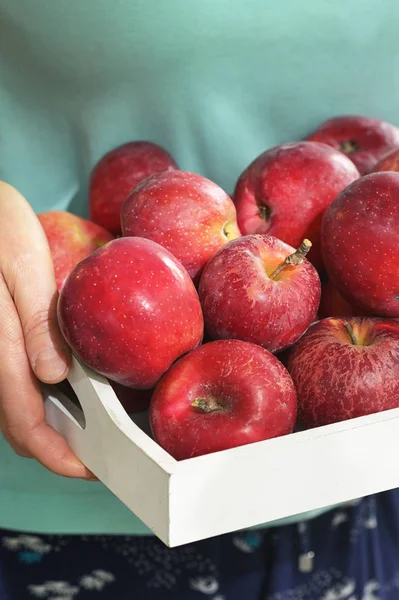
(31, 345)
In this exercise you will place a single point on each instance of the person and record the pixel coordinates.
(215, 83)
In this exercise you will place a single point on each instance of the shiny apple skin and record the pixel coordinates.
(255, 396)
(186, 213)
(360, 241)
(240, 300)
(129, 310)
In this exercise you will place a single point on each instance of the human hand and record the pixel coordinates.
(31, 344)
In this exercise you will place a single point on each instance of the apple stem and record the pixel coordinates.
(296, 258)
(207, 405)
(350, 333)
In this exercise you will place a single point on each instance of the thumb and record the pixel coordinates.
(29, 274)
(47, 352)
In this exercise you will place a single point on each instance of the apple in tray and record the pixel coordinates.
(286, 190)
(118, 173)
(363, 139)
(259, 289)
(129, 310)
(222, 395)
(71, 239)
(344, 368)
(186, 213)
(360, 241)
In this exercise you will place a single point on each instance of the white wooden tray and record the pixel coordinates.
(202, 497)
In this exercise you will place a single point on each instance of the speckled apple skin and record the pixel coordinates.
(117, 174)
(336, 380)
(360, 243)
(374, 138)
(297, 181)
(129, 311)
(186, 213)
(71, 239)
(255, 393)
(240, 301)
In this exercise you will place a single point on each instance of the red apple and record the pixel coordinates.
(360, 241)
(287, 189)
(222, 395)
(332, 304)
(362, 139)
(248, 292)
(117, 174)
(188, 214)
(389, 162)
(345, 368)
(71, 239)
(132, 400)
(129, 310)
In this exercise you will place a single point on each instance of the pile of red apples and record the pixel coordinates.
(237, 319)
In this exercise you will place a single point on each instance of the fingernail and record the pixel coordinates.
(50, 365)
(90, 476)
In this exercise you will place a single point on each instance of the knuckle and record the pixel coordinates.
(37, 324)
(11, 339)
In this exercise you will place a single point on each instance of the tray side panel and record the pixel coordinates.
(124, 467)
(258, 483)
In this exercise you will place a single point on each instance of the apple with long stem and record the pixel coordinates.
(259, 289)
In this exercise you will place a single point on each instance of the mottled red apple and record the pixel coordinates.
(71, 239)
(360, 241)
(286, 190)
(117, 174)
(254, 289)
(129, 310)
(186, 213)
(344, 368)
(222, 395)
(362, 139)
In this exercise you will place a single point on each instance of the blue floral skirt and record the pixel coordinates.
(351, 553)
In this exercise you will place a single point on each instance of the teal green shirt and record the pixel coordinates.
(215, 82)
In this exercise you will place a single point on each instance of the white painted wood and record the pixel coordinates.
(206, 496)
(285, 476)
(114, 448)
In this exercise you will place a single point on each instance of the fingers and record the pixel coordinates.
(22, 415)
(30, 340)
(29, 274)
